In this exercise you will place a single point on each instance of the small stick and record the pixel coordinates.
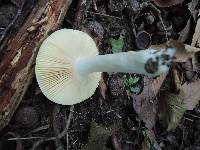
(39, 129)
(27, 138)
(63, 133)
(161, 20)
(105, 15)
(95, 4)
(56, 125)
(18, 143)
(67, 135)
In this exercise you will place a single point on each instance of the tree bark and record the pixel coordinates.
(17, 62)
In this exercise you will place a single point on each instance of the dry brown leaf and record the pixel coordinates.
(177, 77)
(196, 61)
(191, 49)
(192, 7)
(183, 51)
(185, 33)
(149, 141)
(196, 36)
(102, 87)
(190, 94)
(145, 104)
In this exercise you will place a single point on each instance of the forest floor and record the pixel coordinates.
(127, 111)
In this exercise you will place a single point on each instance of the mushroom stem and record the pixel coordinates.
(147, 62)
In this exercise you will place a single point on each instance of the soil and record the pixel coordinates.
(102, 19)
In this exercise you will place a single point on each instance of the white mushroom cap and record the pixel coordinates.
(55, 71)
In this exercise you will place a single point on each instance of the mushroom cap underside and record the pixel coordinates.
(55, 70)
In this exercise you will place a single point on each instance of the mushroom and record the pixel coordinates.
(68, 67)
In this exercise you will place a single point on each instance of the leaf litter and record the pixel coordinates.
(145, 104)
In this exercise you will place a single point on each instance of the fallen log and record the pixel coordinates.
(17, 61)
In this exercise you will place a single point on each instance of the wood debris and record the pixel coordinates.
(16, 66)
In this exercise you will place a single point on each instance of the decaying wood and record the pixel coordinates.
(16, 65)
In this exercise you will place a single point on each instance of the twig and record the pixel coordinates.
(161, 20)
(27, 138)
(18, 143)
(94, 2)
(63, 133)
(100, 14)
(39, 129)
(182, 139)
(195, 116)
(67, 135)
(56, 124)
(188, 119)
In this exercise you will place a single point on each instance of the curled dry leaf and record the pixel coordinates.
(172, 106)
(177, 77)
(190, 74)
(145, 104)
(192, 7)
(183, 51)
(186, 32)
(190, 94)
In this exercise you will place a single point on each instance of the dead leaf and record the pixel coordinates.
(183, 51)
(196, 36)
(177, 77)
(145, 104)
(196, 61)
(190, 74)
(102, 88)
(192, 7)
(172, 106)
(191, 49)
(190, 94)
(170, 110)
(185, 33)
(157, 83)
(149, 141)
